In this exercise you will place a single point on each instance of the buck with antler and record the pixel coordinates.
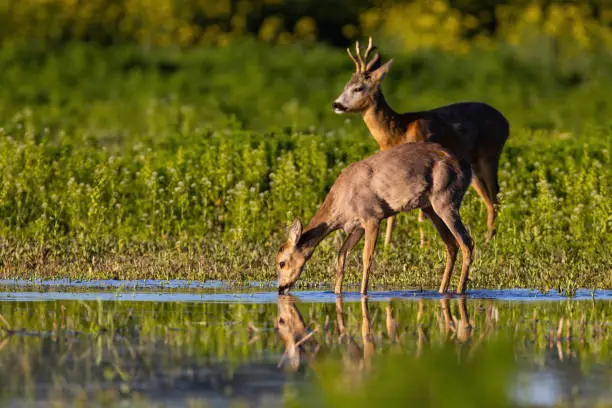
(474, 130)
(399, 179)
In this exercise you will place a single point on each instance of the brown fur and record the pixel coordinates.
(399, 179)
(474, 130)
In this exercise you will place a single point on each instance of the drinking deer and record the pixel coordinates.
(480, 130)
(399, 179)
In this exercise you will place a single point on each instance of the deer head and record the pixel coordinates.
(289, 259)
(360, 91)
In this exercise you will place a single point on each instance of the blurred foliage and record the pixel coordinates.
(448, 24)
(434, 380)
(569, 29)
(120, 92)
(180, 22)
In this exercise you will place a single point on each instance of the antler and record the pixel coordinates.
(360, 62)
(373, 62)
(370, 48)
(357, 67)
(358, 52)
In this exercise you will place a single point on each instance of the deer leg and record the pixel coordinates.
(452, 219)
(390, 223)
(351, 240)
(482, 191)
(421, 231)
(371, 234)
(451, 246)
(489, 168)
(339, 238)
(489, 176)
(485, 171)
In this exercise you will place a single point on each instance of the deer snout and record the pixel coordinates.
(338, 107)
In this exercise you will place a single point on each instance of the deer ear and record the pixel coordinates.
(295, 231)
(379, 73)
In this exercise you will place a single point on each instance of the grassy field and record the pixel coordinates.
(124, 163)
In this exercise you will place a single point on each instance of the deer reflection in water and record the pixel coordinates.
(302, 345)
(356, 358)
(291, 329)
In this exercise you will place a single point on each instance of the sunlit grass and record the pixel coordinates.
(112, 167)
(215, 206)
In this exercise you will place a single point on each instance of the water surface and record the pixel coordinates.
(204, 344)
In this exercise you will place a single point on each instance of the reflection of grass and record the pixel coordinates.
(111, 349)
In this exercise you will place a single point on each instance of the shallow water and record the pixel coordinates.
(186, 344)
(255, 292)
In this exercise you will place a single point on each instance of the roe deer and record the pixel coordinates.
(400, 179)
(480, 131)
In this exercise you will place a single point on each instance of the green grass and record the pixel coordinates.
(123, 164)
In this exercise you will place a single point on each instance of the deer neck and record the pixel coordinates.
(318, 228)
(385, 124)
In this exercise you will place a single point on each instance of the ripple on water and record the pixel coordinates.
(254, 292)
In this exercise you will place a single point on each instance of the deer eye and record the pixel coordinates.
(281, 264)
(358, 88)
